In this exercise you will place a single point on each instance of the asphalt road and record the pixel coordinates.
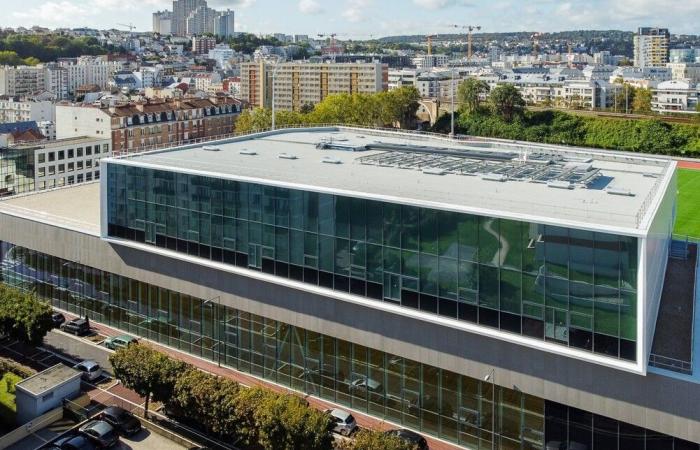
(77, 348)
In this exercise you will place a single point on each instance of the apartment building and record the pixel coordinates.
(202, 44)
(89, 70)
(676, 96)
(299, 83)
(22, 81)
(30, 166)
(651, 47)
(685, 71)
(163, 22)
(16, 109)
(517, 316)
(137, 126)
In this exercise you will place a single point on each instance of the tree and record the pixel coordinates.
(470, 93)
(375, 440)
(641, 103)
(209, 400)
(402, 105)
(287, 422)
(23, 316)
(150, 373)
(507, 102)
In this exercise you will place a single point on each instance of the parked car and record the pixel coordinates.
(411, 437)
(57, 318)
(90, 369)
(344, 422)
(100, 432)
(79, 326)
(121, 419)
(117, 342)
(74, 442)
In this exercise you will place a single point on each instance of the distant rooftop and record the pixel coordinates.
(49, 378)
(548, 184)
(59, 142)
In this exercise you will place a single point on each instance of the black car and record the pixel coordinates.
(74, 442)
(79, 326)
(57, 318)
(100, 433)
(411, 437)
(121, 419)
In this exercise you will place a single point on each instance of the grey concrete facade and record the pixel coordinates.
(663, 404)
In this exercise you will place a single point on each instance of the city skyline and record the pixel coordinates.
(356, 19)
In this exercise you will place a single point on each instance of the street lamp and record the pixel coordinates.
(491, 376)
(274, 77)
(216, 327)
(452, 118)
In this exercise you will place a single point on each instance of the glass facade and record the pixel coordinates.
(16, 171)
(454, 407)
(572, 287)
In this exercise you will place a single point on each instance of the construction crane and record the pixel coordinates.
(430, 43)
(469, 29)
(130, 26)
(535, 38)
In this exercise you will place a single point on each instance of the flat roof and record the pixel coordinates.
(82, 140)
(43, 381)
(548, 184)
(74, 207)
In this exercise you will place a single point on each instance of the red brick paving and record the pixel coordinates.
(363, 420)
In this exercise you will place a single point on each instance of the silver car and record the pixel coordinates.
(344, 422)
(90, 369)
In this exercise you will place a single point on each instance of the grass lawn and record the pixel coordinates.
(688, 215)
(8, 409)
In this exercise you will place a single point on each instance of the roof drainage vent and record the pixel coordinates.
(494, 177)
(247, 152)
(560, 184)
(434, 171)
(620, 191)
(211, 148)
(286, 156)
(331, 160)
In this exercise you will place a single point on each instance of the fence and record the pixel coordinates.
(672, 364)
(33, 426)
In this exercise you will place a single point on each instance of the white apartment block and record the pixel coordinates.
(22, 81)
(222, 54)
(66, 161)
(299, 83)
(163, 22)
(72, 121)
(403, 77)
(685, 71)
(89, 70)
(651, 47)
(676, 96)
(12, 109)
(430, 61)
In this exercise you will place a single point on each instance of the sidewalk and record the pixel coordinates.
(363, 420)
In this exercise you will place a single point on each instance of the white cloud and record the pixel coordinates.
(54, 13)
(356, 10)
(310, 7)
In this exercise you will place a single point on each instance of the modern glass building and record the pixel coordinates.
(388, 273)
(569, 286)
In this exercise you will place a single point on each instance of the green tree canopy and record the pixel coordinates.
(641, 104)
(286, 422)
(23, 316)
(470, 93)
(150, 373)
(375, 440)
(507, 102)
(210, 400)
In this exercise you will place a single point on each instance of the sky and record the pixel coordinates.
(358, 19)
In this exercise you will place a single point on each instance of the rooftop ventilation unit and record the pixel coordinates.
(247, 152)
(434, 171)
(560, 184)
(286, 156)
(211, 148)
(340, 146)
(620, 191)
(494, 177)
(331, 160)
